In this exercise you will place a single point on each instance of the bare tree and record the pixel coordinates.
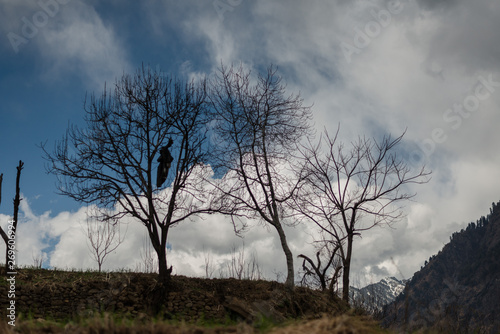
(113, 160)
(258, 127)
(148, 263)
(209, 265)
(38, 259)
(12, 229)
(319, 273)
(349, 191)
(239, 266)
(252, 268)
(102, 238)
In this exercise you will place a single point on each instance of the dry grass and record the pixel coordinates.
(345, 324)
(105, 324)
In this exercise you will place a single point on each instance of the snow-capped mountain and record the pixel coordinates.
(374, 296)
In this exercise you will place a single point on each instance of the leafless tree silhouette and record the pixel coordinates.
(258, 127)
(11, 232)
(103, 237)
(349, 191)
(320, 272)
(112, 161)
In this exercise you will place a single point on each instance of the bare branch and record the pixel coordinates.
(349, 191)
(259, 127)
(112, 161)
(101, 237)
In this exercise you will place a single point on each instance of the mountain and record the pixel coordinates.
(458, 290)
(374, 296)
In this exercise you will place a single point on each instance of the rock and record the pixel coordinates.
(251, 312)
(266, 309)
(239, 308)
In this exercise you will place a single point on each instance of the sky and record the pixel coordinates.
(373, 67)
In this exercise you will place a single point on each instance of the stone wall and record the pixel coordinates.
(121, 294)
(135, 295)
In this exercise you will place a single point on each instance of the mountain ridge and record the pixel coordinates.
(457, 289)
(375, 296)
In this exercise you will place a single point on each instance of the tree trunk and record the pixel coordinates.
(159, 292)
(334, 280)
(17, 201)
(164, 273)
(347, 269)
(290, 278)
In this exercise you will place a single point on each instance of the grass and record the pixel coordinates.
(108, 323)
(341, 324)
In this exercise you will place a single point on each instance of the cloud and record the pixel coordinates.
(465, 37)
(78, 42)
(439, 4)
(70, 38)
(63, 241)
(379, 252)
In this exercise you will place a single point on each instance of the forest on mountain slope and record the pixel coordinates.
(458, 289)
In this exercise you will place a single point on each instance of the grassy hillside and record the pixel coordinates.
(53, 301)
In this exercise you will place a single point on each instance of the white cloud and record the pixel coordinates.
(81, 43)
(69, 37)
(64, 241)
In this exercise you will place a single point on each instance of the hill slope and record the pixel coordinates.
(459, 288)
(57, 294)
(54, 301)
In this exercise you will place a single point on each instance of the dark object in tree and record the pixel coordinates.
(17, 201)
(165, 161)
